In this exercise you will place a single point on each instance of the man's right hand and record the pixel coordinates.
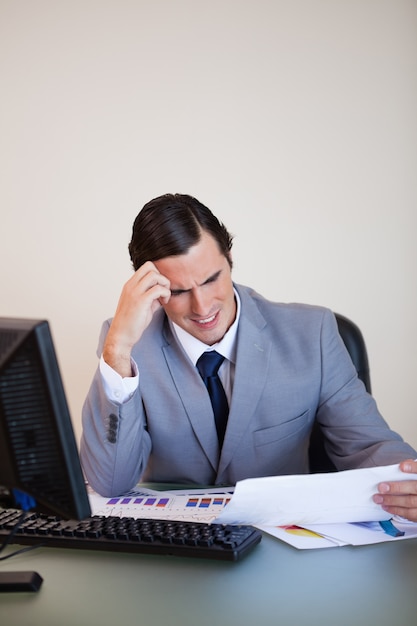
(142, 295)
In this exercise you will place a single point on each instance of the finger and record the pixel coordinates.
(151, 274)
(409, 514)
(398, 487)
(158, 293)
(155, 285)
(409, 466)
(406, 501)
(165, 299)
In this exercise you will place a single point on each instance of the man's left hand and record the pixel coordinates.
(400, 497)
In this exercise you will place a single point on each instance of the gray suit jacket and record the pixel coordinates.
(292, 368)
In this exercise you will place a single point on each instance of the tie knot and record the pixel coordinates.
(209, 363)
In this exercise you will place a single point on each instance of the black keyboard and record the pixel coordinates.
(213, 541)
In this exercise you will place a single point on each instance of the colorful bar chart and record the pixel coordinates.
(201, 506)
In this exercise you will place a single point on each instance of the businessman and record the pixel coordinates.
(204, 381)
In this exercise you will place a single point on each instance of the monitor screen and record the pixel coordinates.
(38, 451)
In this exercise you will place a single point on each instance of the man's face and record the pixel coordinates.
(202, 299)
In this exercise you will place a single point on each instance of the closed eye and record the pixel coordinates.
(178, 292)
(210, 279)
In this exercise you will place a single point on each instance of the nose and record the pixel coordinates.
(200, 302)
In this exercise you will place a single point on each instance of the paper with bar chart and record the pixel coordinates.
(194, 505)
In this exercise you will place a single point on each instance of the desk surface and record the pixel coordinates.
(275, 584)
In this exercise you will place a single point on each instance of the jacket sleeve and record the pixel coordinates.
(115, 444)
(356, 434)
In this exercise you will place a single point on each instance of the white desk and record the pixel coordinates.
(275, 585)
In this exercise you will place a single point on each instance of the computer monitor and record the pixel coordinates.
(38, 452)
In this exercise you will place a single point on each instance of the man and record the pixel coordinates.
(149, 414)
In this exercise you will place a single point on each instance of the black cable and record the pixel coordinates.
(10, 537)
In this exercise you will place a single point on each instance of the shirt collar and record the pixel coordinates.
(226, 346)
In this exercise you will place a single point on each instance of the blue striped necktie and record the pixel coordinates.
(208, 365)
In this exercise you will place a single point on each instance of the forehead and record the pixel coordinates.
(193, 268)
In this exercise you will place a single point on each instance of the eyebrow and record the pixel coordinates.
(210, 279)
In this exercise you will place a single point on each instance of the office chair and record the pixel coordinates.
(355, 344)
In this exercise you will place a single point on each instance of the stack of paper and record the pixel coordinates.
(319, 510)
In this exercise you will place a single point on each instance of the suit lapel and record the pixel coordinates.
(252, 361)
(194, 397)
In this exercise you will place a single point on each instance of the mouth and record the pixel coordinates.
(207, 322)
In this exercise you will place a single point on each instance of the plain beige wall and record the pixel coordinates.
(295, 121)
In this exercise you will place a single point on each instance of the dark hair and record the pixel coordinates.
(170, 225)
